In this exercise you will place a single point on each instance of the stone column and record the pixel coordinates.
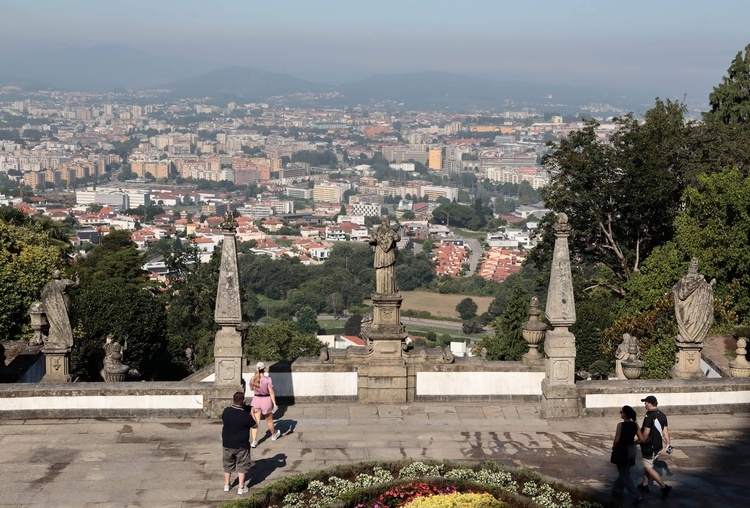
(228, 315)
(559, 394)
(56, 365)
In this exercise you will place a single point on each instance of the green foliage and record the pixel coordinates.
(467, 309)
(594, 313)
(191, 300)
(353, 325)
(27, 258)
(715, 228)
(462, 216)
(280, 341)
(108, 307)
(508, 342)
(622, 196)
(307, 320)
(116, 258)
(730, 100)
(655, 329)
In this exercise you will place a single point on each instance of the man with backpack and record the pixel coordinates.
(655, 434)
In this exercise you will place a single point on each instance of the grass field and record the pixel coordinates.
(441, 305)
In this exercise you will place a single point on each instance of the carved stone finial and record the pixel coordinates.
(229, 224)
(740, 367)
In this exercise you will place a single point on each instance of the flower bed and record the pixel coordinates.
(397, 484)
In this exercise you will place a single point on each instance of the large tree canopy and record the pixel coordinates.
(621, 196)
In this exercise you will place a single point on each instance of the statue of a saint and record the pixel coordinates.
(693, 305)
(56, 302)
(384, 239)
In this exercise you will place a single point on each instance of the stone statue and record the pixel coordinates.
(384, 239)
(56, 301)
(693, 305)
(114, 369)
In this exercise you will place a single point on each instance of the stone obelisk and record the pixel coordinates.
(559, 394)
(228, 315)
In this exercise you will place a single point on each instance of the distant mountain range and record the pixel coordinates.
(113, 68)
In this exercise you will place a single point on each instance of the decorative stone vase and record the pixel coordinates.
(116, 374)
(740, 367)
(38, 322)
(533, 332)
(632, 368)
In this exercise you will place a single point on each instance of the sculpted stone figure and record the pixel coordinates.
(384, 239)
(56, 302)
(693, 305)
(114, 369)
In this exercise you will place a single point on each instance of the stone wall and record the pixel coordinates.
(675, 396)
(308, 380)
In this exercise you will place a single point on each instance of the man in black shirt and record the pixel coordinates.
(235, 438)
(655, 435)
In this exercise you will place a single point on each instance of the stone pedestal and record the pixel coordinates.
(382, 381)
(386, 335)
(56, 365)
(228, 357)
(533, 332)
(740, 367)
(688, 364)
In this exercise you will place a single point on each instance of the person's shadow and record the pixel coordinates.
(263, 468)
(662, 468)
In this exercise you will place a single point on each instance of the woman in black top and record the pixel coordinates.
(627, 436)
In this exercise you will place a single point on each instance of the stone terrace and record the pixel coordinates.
(177, 462)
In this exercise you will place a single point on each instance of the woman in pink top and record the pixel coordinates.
(264, 402)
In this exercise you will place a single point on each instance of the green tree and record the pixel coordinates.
(353, 325)
(621, 197)
(117, 257)
(730, 100)
(715, 228)
(467, 309)
(103, 307)
(280, 341)
(508, 342)
(27, 259)
(307, 320)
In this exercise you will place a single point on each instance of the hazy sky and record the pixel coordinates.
(669, 46)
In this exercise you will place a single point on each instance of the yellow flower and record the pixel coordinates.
(457, 500)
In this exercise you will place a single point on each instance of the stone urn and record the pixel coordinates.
(740, 367)
(116, 374)
(632, 368)
(38, 322)
(533, 332)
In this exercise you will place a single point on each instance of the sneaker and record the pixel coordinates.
(643, 488)
(638, 501)
(253, 444)
(276, 435)
(241, 491)
(226, 488)
(665, 491)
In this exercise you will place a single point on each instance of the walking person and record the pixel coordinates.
(655, 434)
(627, 436)
(264, 402)
(235, 439)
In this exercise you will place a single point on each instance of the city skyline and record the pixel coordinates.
(667, 48)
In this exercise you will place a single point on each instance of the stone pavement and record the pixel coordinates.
(177, 462)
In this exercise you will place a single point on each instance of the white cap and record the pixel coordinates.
(260, 366)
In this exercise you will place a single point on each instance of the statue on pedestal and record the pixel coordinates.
(694, 310)
(56, 301)
(384, 239)
(693, 305)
